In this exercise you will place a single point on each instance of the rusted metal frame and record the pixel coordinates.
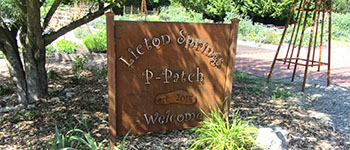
(281, 42)
(329, 42)
(317, 10)
(296, 36)
(309, 48)
(316, 62)
(318, 5)
(321, 40)
(231, 63)
(111, 76)
(291, 37)
(301, 41)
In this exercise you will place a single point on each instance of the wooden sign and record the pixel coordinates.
(161, 75)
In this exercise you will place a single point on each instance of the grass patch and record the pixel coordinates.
(243, 77)
(217, 133)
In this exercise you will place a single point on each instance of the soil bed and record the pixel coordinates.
(35, 125)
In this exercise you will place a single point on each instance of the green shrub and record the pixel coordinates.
(81, 32)
(96, 42)
(177, 13)
(341, 26)
(66, 46)
(50, 50)
(78, 64)
(217, 133)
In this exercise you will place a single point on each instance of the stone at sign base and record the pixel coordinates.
(272, 138)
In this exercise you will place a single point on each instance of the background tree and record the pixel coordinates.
(23, 16)
(265, 11)
(341, 6)
(212, 9)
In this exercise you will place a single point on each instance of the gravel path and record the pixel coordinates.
(331, 104)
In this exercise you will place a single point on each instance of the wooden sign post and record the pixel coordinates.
(161, 75)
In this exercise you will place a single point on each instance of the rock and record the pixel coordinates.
(6, 109)
(272, 138)
(19, 107)
(31, 106)
(66, 90)
(7, 98)
(55, 90)
(62, 97)
(55, 99)
(70, 94)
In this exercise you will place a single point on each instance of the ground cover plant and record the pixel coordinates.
(217, 131)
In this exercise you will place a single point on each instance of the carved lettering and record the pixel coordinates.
(148, 46)
(150, 119)
(177, 96)
(167, 76)
(132, 52)
(165, 42)
(169, 117)
(156, 43)
(148, 75)
(181, 39)
(127, 63)
(138, 49)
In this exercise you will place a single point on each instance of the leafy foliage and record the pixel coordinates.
(8, 10)
(78, 64)
(66, 46)
(341, 6)
(96, 42)
(50, 50)
(78, 138)
(341, 26)
(217, 133)
(177, 13)
(212, 9)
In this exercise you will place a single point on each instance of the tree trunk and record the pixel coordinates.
(34, 53)
(14, 64)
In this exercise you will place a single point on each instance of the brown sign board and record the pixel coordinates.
(161, 75)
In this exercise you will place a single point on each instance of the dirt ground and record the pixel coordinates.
(34, 126)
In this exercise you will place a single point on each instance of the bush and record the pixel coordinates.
(50, 50)
(82, 32)
(78, 64)
(66, 46)
(96, 42)
(177, 13)
(341, 26)
(217, 133)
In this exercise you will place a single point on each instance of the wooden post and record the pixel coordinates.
(111, 76)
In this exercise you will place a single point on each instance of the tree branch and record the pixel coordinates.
(50, 37)
(52, 11)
